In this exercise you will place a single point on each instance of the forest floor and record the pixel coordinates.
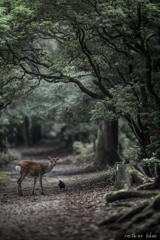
(67, 214)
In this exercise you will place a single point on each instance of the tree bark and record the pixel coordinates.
(22, 133)
(127, 175)
(107, 144)
(110, 135)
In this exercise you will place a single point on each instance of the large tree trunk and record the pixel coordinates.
(110, 134)
(107, 144)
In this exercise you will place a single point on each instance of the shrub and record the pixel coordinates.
(11, 155)
(77, 146)
(149, 165)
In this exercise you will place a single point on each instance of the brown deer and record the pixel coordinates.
(34, 169)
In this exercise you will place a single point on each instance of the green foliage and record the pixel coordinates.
(68, 116)
(10, 118)
(85, 149)
(3, 132)
(149, 164)
(126, 139)
(153, 147)
(123, 101)
(20, 15)
(3, 141)
(77, 147)
(133, 153)
(109, 49)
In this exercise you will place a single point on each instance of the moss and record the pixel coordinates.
(105, 157)
(90, 166)
(155, 203)
(125, 194)
(105, 175)
(117, 206)
(138, 177)
(139, 217)
(114, 193)
(128, 215)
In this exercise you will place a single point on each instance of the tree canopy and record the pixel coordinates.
(115, 43)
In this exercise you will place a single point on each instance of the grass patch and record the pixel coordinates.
(4, 178)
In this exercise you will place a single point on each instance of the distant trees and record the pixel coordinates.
(114, 42)
(51, 110)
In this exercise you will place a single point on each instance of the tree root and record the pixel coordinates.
(131, 220)
(124, 194)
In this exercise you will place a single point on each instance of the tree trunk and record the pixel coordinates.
(127, 175)
(35, 133)
(107, 144)
(22, 133)
(110, 134)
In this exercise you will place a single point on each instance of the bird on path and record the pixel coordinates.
(61, 184)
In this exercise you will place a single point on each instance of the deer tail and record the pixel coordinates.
(18, 168)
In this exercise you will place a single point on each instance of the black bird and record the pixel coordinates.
(61, 184)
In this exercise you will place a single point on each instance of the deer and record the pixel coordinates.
(34, 169)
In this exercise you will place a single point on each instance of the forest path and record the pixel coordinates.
(59, 214)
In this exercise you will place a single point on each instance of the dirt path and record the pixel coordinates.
(67, 214)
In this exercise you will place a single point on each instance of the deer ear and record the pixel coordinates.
(49, 157)
(57, 158)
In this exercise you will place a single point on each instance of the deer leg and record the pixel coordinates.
(19, 188)
(40, 181)
(19, 183)
(34, 185)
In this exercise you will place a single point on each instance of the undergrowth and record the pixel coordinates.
(11, 156)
